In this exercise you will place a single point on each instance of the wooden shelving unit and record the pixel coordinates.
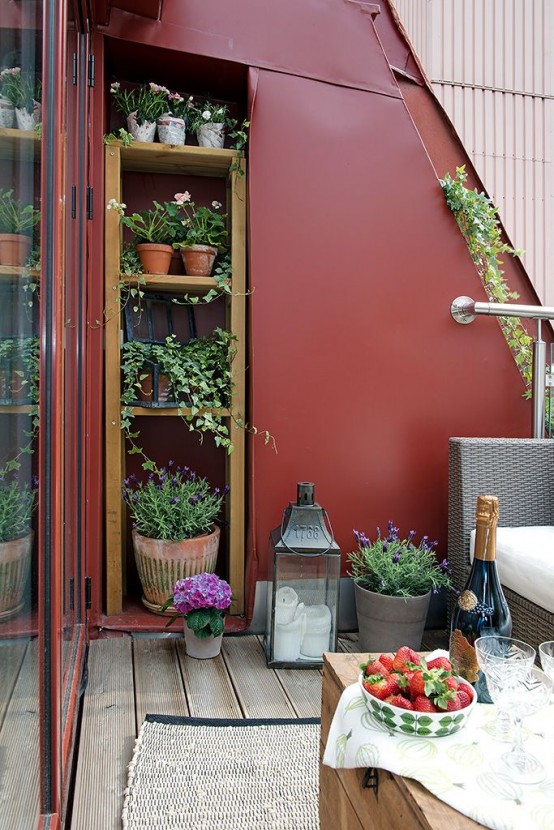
(196, 161)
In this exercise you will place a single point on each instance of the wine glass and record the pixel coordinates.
(526, 696)
(546, 652)
(503, 661)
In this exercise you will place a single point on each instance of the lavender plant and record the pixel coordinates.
(17, 505)
(202, 600)
(397, 567)
(174, 503)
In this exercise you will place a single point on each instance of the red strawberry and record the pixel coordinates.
(375, 667)
(452, 683)
(380, 687)
(440, 663)
(405, 655)
(400, 701)
(453, 704)
(386, 661)
(468, 689)
(423, 704)
(463, 697)
(417, 684)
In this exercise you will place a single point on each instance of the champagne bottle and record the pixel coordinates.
(481, 608)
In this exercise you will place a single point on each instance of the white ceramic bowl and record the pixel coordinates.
(426, 724)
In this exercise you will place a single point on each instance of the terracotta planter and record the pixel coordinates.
(171, 130)
(15, 564)
(202, 649)
(141, 132)
(199, 260)
(14, 248)
(146, 391)
(176, 266)
(211, 135)
(386, 623)
(155, 258)
(161, 563)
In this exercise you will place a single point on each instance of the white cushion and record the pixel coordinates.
(525, 557)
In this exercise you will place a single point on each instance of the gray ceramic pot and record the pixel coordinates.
(386, 623)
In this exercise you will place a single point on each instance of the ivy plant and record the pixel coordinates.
(477, 219)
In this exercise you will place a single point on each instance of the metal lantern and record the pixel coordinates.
(303, 596)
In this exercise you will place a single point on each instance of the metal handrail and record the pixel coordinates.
(464, 310)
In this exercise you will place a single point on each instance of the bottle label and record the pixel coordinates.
(467, 601)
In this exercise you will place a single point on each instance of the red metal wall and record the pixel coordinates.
(356, 366)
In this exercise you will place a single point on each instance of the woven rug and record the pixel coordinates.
(245, 774)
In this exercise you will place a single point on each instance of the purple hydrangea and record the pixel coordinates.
(201, 591)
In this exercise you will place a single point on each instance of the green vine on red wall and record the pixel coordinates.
(477, 219)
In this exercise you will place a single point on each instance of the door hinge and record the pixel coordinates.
(74, 69)
(90, 202)
(73, 202)
(88, 592)
(91, 70)
(72, 594)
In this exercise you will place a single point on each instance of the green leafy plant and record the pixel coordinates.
(202, 225)
(17, 505)
(23, 89)
(397, 567)
(203, 111)
(174, 503)
(202, 600)
(146, 225)
(477, 219)
(119, 135)
(179, 106)
(147, 101)
(15, 216)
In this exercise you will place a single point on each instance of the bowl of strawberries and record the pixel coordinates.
(414, 695)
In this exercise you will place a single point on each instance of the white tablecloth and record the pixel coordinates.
(455, 768)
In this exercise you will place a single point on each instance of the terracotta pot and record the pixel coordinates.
(146, 391)
(141, 132)
(385, 623)
(14, 248)
(155, 257)
(199, 260)
(171, 130)
(15, 565)
(161, 563)
(204, 648)
(176, 266)
(211, 135)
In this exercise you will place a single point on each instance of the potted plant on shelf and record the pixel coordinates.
(202, 600)
(205, 233)
(17, 221)
(141, 106)
(172, 123)
(17, 505)
(393, 580)
(152, 235)
(209, 120)
(174, 530)
(23, 90)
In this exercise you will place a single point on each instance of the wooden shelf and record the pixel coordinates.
(171, 282)
(165, 158)
(17, 409)
(17, 144)
(173, 411)
(7, 272)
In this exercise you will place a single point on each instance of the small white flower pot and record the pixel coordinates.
(211, 135)
(7, 112)
(171, 130)
(141, 132)
(26, 120)
(201, 649)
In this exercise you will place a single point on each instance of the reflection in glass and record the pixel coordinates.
(20, 113)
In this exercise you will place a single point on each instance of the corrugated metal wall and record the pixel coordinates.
(491, 66)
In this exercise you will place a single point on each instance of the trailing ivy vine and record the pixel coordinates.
(477, 219)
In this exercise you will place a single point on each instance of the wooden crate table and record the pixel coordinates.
(344, 801)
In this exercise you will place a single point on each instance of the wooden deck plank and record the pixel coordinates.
(158, 683)
(258, 690)
(19, 742)
(207, 686)
(108, 734)
(11, 658)
(303, 689)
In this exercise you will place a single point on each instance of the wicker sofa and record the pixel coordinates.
(520, 471)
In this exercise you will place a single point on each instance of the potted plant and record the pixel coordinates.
(205, 234)
(172, 124)
(394, 579)
(17, 505)
(202, 600)
(17, 221)
(141, 106)
(209, 121)
(23, 91)
(152, 235)
(174, 530)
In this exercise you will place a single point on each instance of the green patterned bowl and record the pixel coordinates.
(426, 724)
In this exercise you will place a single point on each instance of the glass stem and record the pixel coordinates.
(517, 753)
